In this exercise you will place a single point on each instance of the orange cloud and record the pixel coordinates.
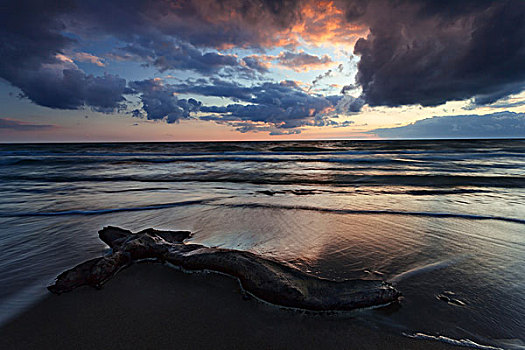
(87, 57)
(322, 22)
(234, 24)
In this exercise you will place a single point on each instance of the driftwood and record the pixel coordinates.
(264, 278)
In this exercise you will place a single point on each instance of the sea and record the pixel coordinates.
(443, 220)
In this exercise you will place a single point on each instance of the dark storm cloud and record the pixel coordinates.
(350, 105)
(184, 35)
(503, 103)
(73, 89)
(166, 35)
(283, 93)
(22, 126)
(204, 23)
(283, 105)
(262, 107)
(160, 103)
(416, 52)
(30, 34)
(256, 63)
(215, 87)
(504, 124)
(166, 55)
(31, 50)
(431, 52)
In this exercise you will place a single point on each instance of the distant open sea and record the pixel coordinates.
(443, 220)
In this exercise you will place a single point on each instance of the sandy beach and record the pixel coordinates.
(152, 306)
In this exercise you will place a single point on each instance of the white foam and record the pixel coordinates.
(21, 301)
(426, 268)
(461, 342)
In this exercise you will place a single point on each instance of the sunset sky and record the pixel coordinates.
(142, 70)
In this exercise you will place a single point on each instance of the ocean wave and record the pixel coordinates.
(310, 151)
(200, 159)
(422, 192)
(461, 342)
(436, 192)
(427, 180)
(377, 212)
(300, 149)
(266, 160)
(210, 201)
(111, 210)
(147, 189)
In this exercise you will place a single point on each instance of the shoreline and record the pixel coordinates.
(153, 306)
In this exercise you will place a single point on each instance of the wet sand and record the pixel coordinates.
(151, 306)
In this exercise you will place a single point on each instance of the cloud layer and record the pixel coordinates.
(276, 107)
(411, 52)
(431, 52)
(504, 124)
(6, 123)
(32, 60)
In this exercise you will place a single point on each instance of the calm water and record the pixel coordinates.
(431, 216)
